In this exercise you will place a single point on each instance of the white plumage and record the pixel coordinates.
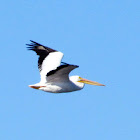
(51, 62)
(54, 75)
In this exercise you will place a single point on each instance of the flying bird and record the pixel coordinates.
(54, 73)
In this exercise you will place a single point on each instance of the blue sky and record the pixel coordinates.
(102, 37)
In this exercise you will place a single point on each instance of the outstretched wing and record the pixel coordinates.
(49, 59)
(61, 74)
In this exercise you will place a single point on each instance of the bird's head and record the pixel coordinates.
(79, 81)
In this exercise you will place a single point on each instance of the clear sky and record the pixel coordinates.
(103, 38)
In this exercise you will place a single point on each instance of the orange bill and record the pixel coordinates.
(85, 81)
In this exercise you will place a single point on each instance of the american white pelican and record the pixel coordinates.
(54, 73)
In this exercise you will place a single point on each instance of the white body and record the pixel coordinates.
(61, 87)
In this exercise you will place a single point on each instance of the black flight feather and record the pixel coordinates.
(41, 50)
(61, 67)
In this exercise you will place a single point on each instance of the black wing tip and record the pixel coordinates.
(31, 48)
(34, 46)
(77, 66)
(29, 44)
(33, 43)
(66, 64)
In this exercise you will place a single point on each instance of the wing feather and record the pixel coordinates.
(49, 59)
(61, 74)
(42, 51)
